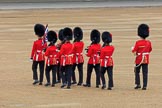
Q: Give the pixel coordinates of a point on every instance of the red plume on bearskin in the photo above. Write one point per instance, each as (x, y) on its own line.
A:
(106, 37)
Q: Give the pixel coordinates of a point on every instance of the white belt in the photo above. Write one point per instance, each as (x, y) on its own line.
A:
(52, 55)
(64, 59)
(95, 55)
(38, 51)
(49, 59)
(106, 60)
(70, 55)
(146, 53)
(106, 57)
(77, 54)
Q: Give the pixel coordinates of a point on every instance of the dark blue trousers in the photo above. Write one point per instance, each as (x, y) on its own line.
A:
(54, 70)
(80, 70)
(89, 72)
(144, 72)
(66, 74)
(41, 70)
(110, 75)
(58, 73)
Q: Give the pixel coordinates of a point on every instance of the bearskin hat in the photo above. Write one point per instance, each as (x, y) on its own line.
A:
(67, 33)
(106, 37)
(39, 30)
(78, 33)
(60, 35)
(143, 30)
(52, 36)
(95, 36)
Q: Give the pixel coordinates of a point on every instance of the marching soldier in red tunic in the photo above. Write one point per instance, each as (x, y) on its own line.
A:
(106, 61)
(94, 60)
(51, 60)
(142, 51)
(66, 58)
(78, 55)
(61, 42)
(37, 54)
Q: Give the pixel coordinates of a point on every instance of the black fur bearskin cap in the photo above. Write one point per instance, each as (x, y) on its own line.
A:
(39, 30)
(60, 35)
(143, 30)
(95, 36)
(106, 37)
(52, 36)
(78, 33)
(67, 33)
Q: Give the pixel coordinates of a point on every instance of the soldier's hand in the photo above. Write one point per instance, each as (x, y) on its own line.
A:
(31, 59)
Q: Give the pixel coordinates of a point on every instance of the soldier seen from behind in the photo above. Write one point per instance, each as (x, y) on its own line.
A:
(141, 50)
(59, 44)
(66, 56)
(106, 60)
(93, 52)
(51, 55)
(37, 54)
(78, 60)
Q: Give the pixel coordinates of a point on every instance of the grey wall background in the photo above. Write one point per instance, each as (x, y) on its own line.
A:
(37, 1)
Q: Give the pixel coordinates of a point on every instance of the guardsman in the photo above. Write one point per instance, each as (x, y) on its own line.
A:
(106, 60)
(37, 54)
(142, 51)
(93, 52)
(78, 55)
(61, 42)
(66, 55)
(51, 55)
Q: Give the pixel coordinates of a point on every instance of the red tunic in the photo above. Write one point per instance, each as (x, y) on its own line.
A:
(93, 53)
(77, 52)
(142, 49)
(66, 54)
(37, 50)
(52, 55)
(106, 56)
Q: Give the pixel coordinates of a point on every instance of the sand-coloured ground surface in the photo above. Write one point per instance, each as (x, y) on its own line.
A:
(17, 36)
